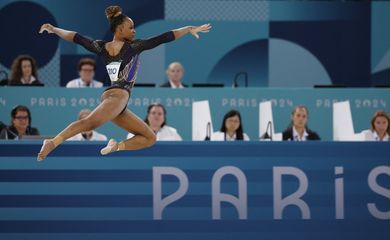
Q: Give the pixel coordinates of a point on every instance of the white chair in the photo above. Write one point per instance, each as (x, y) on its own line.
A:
(201, 118)
(266, 122)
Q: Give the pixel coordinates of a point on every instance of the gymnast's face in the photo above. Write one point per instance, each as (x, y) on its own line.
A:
(127, 29)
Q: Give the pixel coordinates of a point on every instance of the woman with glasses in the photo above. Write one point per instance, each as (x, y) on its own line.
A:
(20, 124)
(86, 69)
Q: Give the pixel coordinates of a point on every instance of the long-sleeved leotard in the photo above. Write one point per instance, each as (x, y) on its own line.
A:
(123, 67)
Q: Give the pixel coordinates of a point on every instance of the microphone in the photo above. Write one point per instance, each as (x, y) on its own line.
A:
(235, 83)
(5, 74)
(2, 125)
(7, 131)
(4, 81)
(208, 132)
(267, 136)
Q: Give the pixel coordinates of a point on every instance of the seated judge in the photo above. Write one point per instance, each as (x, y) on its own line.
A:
(156, 119)
(20, 124)
(86, 68)
(231, 129)
(175, 73)
(298, 130)
(24, 72)
(380, 128)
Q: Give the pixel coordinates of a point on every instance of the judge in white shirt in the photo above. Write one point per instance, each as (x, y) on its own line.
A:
(156, 119)
(380, 128)
(89, 135)
(86, 68)
(231, 129)
(175, 73)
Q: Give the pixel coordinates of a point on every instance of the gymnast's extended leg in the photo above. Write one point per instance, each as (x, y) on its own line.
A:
(113, 102)
(144, 135)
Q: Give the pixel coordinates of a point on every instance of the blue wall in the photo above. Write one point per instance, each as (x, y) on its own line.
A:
(77, 194)
(278, 43)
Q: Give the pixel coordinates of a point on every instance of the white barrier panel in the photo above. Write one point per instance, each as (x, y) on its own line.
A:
(201, 117)
(343, 124)
(266, 122)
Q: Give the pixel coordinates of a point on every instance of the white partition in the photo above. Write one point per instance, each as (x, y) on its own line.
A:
(266, 121)
(201, 117)
(343, 129)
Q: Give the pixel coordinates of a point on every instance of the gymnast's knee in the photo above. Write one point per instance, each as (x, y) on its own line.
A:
(89, 124)
(151, 139)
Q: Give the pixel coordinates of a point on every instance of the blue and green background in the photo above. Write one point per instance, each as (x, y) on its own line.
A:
(277, 43)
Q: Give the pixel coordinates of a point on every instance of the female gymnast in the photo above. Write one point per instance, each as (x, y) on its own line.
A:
(121, 57)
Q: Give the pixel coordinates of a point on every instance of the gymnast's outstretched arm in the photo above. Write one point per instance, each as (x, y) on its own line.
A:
(194, 30)
(142, 45)
(72, 36)
(64, 34)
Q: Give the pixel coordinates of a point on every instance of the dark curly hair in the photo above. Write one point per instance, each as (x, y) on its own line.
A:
(16, 69)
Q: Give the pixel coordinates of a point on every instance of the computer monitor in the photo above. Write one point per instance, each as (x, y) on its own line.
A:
(331, 86)
(27, 85)
(382, 85)
(208, 85)
(36, 137)
(144, 85)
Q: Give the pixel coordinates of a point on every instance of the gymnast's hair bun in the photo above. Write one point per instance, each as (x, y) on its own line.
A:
(113, 11)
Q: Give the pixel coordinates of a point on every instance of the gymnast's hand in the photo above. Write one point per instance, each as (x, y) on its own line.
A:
(203, 28)
(47, 27)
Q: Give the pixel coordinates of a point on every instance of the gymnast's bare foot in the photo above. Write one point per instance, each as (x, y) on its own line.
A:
(112, 146)
(47, 147)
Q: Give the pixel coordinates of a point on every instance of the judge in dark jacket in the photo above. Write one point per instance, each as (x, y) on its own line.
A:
(20, 124)
(298, 130)
(175, 73)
